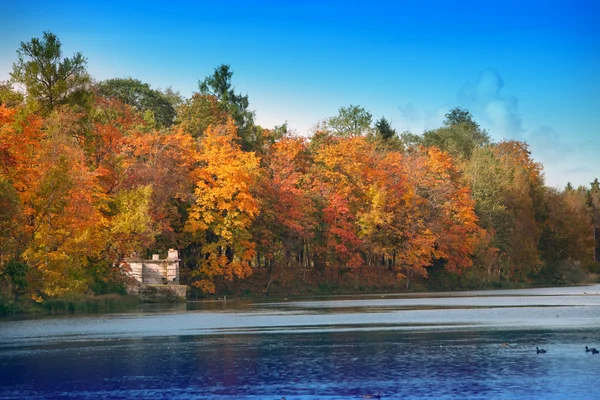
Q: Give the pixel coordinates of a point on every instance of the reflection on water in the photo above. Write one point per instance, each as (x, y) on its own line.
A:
(474, 345)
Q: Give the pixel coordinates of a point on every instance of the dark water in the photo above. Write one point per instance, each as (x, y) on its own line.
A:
(478, 345)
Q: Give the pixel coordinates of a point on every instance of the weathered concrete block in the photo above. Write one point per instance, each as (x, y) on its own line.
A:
(155, 273)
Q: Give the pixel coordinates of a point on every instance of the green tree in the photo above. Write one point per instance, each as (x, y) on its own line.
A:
(350, 121)
(593, 204)
(8, 96)
(458, 116)
(459, 135)
(144, 99)
(49, 79)
(567, 238)
(411, 141)
(384, 129)
(219, 85)
(196, 114)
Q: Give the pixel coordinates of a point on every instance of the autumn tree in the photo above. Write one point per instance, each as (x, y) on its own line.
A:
(59, 199)
(199, 112)
(163, 161)
(130, 227)
(566, 239)
(48, 78)
(224, 208)
(286, 222)
(509, 191)
(342, 173)
(593, 204)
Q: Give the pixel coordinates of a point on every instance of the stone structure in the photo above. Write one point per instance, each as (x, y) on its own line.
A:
(156, 275)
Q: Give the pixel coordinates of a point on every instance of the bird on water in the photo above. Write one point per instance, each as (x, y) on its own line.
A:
(593, 349)
(539, 351)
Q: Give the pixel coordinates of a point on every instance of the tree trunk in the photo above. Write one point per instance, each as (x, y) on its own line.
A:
(319, 263)
(270, 267)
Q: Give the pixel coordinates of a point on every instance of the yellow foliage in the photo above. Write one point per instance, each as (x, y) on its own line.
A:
(224, 206)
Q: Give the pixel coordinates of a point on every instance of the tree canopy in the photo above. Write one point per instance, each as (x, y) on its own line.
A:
(350, 121)
(139, 170)
(144, 99)
(48, 78)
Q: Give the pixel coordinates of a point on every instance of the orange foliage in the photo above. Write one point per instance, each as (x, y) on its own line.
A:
(224, 207)
(286, 217)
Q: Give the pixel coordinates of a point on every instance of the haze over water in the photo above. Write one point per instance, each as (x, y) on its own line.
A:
(445, 345)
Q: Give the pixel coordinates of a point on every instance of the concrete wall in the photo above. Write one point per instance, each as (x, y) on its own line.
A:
(162, 271)
(163, 293)
(156, 271)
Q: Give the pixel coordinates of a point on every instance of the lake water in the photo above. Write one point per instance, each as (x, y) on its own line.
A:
(478, 345)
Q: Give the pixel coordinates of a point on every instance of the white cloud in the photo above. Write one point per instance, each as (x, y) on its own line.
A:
(498, 112)
(416, 121)
(409, 113)
(491, 108)
(546, 143)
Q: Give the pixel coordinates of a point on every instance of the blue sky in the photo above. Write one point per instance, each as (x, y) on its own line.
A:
(527, 70)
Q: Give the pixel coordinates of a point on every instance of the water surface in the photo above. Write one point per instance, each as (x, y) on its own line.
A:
(461, 345)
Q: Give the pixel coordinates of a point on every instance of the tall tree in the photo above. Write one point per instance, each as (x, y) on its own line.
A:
(48, 78)
(384, 129)
(459, 135)
(286, 222)
(350, 121)
(219, 85)
(524, 200)
(593, 203)
(224, 208)
(341, 174)
(458, 115)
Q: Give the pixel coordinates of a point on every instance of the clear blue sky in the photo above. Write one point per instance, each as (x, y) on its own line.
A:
(526, 71)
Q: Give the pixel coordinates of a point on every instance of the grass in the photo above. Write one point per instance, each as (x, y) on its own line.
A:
(91, 304)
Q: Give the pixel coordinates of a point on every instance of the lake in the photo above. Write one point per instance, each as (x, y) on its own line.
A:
(478, 345)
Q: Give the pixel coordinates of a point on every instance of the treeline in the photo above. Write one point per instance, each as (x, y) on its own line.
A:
(92, 172)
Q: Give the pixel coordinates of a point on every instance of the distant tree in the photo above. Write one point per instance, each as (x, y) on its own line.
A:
(569, 187)
(8, 96)
(350, 121)
(219, 85)
(459, 135)
(593, 204)
(458, 115)
(49, 80)
(140, 96)
(568, 233)
(384, 129)
(411, 141)
(173, 97)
